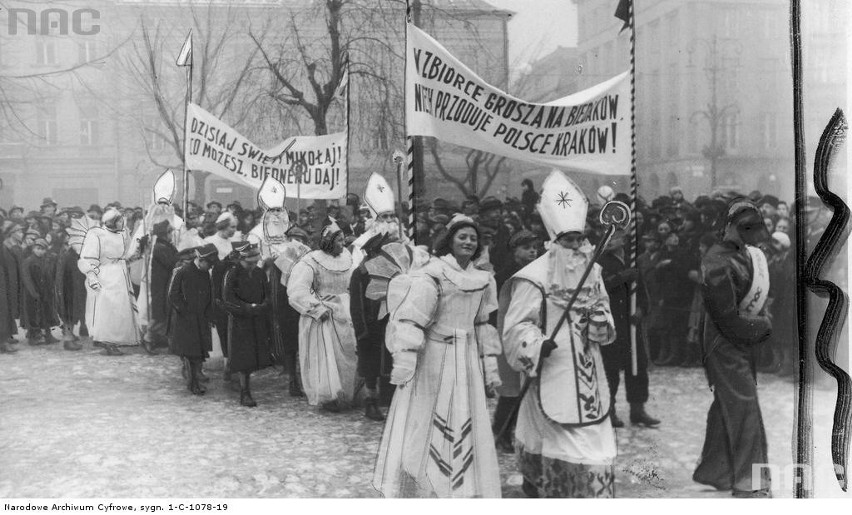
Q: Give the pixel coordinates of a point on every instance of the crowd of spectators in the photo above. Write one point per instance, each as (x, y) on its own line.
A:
(673, 234)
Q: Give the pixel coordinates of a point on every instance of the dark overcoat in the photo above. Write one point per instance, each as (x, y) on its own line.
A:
(14, 257)
(284, 319)
(735, 438)
(70, 288)
(163, 259)
(248, 302)
(191, 300)
(11, 294)
(37, 275)
(369, 329)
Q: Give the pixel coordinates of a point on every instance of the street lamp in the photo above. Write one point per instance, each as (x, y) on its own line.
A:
(714, 113)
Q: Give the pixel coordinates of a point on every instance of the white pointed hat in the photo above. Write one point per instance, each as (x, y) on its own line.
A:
(562, 206)
(271, 194)
(378, 194)
(164, 187)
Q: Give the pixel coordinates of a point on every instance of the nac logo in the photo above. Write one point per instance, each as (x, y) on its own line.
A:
(54, 21)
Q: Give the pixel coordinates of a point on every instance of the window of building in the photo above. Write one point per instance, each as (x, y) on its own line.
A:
(769, 130)
(672, 180)
(89, 125)
(730, 136)
(692, 138)
(673, 147)
(729, 23)
(45, 52)
(654, 182)
(47, 124)
(673, 30)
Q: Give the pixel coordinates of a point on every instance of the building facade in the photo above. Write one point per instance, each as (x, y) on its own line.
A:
(80, 122)
(714, 88)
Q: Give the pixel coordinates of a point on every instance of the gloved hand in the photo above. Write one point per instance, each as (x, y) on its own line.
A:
(629, 275)
(492, 375)
(547, 346)
(404, 363)
(92, 282)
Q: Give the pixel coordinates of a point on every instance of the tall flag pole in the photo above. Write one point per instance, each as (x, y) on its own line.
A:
(803, 479)
(625, 12)
(185, 59)
(409, 144)
(343, 92)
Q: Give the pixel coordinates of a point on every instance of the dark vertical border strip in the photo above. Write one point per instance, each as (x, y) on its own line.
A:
(835, 313)
(803, 441)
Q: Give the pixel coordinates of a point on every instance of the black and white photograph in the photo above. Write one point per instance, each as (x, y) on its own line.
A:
(287, 251)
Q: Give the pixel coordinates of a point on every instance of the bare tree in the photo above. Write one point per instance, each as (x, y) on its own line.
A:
(482, 169)
(153, 88)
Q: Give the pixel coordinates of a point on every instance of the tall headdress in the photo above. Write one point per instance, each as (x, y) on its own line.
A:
(273, 225)
(164, 191)
(378, 194)
(164, 188)
(271, 194)
(562, 206)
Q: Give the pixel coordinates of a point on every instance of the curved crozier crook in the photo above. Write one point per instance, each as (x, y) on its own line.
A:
(835, 313)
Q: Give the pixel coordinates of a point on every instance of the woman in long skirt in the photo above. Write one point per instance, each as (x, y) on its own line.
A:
(437, 441)
(318, 290)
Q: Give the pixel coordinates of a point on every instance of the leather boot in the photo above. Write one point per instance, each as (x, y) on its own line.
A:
(614, 420)
(372, 411)
(113, 350)
(295, 378)
(638, 416)
(331, 406)
(295, 389)
(529, 490)
(202, 377)
(49, 338)
(148, 346)
(245, 391)
(194, 385)
(226, 375)
(674, 357)
(6, 348)
(72, 345)
(34, 337)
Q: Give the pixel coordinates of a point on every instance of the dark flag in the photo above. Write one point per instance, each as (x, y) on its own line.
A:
(622, 12)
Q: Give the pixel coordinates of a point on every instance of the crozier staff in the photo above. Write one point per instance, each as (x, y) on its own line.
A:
(564, 437)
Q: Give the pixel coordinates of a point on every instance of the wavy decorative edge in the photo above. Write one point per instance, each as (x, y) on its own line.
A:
(835, 314)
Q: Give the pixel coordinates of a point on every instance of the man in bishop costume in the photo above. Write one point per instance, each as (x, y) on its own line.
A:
(564, 440)
(367, 302)
(279, 253)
